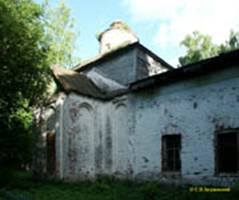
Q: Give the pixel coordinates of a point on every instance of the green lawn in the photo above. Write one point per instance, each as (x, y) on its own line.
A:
(27, 189)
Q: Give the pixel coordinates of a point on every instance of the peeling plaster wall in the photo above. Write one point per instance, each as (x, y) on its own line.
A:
(113, 38)
(94, 142)
(196, 109)
(122, 137)
(48, 119)
(125, 68)
(119, 68)
(79, 127)
(147, 66)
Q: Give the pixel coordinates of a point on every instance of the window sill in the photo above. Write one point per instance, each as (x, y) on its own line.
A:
(171, 174)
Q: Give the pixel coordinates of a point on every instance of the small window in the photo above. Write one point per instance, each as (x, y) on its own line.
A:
(228, 152)
(171, 148)
(51, 152)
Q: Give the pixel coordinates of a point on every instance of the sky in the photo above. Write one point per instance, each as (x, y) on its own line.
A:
(160, 25)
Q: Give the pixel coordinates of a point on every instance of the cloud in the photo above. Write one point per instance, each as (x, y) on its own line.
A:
(176, 18)
(153, 9)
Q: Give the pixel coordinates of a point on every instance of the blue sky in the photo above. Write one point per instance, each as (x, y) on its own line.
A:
(159, 24)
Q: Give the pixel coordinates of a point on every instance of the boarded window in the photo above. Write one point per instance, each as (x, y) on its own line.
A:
(171, 147)
(51, 153)
(228, 152)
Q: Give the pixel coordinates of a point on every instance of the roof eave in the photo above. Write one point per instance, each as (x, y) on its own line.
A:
(189, 71)
(101, 58)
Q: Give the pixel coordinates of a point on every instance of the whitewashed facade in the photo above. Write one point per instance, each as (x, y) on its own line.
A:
(122, 136)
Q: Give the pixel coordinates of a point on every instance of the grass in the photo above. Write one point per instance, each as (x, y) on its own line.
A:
(24, 188)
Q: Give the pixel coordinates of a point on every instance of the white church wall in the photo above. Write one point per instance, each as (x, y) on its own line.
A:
(120, 131)
(95, 138)
(196, 109)
(79, 127)
(122, 137)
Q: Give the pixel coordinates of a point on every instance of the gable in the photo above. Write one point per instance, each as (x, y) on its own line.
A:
(126, 64)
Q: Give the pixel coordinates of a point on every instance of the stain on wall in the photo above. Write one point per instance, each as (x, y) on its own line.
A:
(122, 137)
(108, 145)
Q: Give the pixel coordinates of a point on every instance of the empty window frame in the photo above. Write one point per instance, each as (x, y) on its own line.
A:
(228, 151)
(171, 149)
(51, 152)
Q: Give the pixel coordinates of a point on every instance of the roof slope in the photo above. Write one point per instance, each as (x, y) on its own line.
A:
(114, 52)
(95, 85)
(92, 84)
(190, 71)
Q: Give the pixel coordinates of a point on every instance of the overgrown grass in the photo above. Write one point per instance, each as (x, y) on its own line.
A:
(24, 188)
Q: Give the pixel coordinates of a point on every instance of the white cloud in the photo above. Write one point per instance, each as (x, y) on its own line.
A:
(176, 18)
(153, 9)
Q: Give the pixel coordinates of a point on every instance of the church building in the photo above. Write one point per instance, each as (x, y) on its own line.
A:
(128, 114)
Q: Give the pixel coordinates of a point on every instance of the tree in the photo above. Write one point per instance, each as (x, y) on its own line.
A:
(31, 40)
(232, 43)
(60, 32)
(24, 74)
(199, 46)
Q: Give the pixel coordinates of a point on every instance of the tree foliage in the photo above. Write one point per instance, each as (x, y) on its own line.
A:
(24, 75)
(61, 34)
(32, 38)
(231, 44)
(199, 46)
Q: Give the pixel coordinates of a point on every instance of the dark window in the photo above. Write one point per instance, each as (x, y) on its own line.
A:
(51, 152)
(227, 152)
(171, 147)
